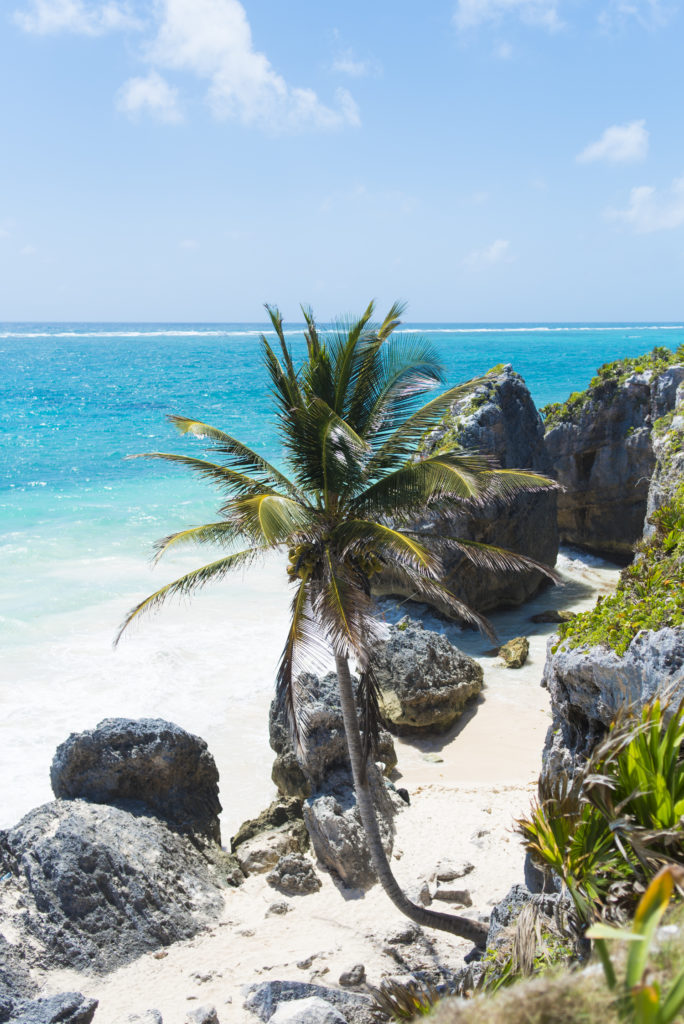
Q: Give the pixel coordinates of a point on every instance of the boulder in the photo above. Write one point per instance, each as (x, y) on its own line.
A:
(148, 1017)
(425, 682)
(68, 1008)
(589, 685)
(93, 887)
(499, 419)
(312, 1010)
(515, 652)
(202, 1015)
(354, 977)
(264, 999)
(16, 983)
(324, 746)
(294, 875)
(601, 452)
(147, 761)
(337, 835)
(260, 842)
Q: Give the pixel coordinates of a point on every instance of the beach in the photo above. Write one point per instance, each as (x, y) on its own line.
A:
(464, 799)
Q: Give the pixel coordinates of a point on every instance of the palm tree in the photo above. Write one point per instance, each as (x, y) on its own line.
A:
(351, 424)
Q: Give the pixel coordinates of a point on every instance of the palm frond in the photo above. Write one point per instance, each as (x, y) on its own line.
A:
(436, 593)
(189, 583)
(226, 478)
(242, 458)
(359, 536)
(487, 556)
(211, 533)
(269, 519)
(368, 702)
(506, 484)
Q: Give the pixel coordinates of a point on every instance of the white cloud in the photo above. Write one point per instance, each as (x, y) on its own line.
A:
(472, 13)
(648, 14)
(152, 95)
(213, 40)
(621, 143)
(497, 252)
(347, 64)
(46, 16)
(652, 210)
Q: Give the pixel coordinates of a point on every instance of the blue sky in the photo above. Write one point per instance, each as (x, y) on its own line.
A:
(486, 160)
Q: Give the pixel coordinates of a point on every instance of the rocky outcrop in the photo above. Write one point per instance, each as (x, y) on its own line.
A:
(599, 447)
(324, 746)
(264, 999)
(588, 686)
(279, 830)
(425, 682)
(93, 887)
(146, 762)
(498, 419)
(336, 832)
(294, 875)
(668, 449)
(68, 1008)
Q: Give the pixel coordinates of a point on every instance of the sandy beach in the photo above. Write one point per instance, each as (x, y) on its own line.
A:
(464, 799)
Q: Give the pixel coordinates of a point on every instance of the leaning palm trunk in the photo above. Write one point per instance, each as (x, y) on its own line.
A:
(452, 923)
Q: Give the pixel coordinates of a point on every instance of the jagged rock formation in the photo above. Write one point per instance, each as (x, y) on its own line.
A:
(279, 830)
(588, 686)
(67, 1008)
(425, 682)
(499, 419)
(264, 999)
(668, 448)
(146, 761)
(324, 746)
(599, 448)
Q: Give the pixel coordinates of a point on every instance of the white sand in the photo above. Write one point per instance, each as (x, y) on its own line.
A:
(462, 809)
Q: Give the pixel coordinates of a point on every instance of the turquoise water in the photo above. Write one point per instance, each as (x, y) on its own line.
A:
(77, 519)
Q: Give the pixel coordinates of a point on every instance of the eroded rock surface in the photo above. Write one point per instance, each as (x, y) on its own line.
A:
(147, 761)
(425, 681)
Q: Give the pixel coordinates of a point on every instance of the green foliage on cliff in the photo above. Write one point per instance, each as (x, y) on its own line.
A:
(615, 374)
(650, 594)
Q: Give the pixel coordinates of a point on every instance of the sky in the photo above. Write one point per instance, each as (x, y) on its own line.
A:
(483, 160)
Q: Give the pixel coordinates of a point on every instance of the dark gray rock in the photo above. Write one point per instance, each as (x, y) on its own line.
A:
(603, 457)
(148, 760)
(68, 1008)
(425, 682)
(263, 1000)
(336, 832)
(355, 976)
(324, 746)
(668, 448)
(94, 887)
(294, 875)
(501, 420)
(588, 686)
(15, 979)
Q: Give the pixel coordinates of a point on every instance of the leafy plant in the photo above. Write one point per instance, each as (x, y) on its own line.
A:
(405, 1000)
(640, 1000)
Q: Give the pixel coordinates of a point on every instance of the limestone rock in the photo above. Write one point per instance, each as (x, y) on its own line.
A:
(589, 685)
(150, 761)
(294, 875)
(336, 832)
(448, 894)
(668, 448)
(501, 420)
(202, 1015)
(260, 842)
(425, 681)
(312, 1010)
(264, 999)
(355, 976)
(93, 887)
(515, 652)
(325, 748)
(148, 1017)
(603, 457)
(264, 851)
(68, 1008)
(16, 983)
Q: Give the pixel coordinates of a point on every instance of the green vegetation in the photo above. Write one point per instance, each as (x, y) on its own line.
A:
(612, 374)
(650, 594)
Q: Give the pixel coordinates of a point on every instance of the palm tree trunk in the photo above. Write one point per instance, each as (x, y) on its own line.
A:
(461, 926)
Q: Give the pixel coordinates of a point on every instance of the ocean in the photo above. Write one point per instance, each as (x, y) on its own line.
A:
(78, 520)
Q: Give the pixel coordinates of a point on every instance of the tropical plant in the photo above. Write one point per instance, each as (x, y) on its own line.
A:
(351, 425)
(640, 1000)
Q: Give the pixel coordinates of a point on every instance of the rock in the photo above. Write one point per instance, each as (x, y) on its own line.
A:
(94, 887)
(446, 871)
(499, 419)
(602, 455)
(294, 875)
(276, 909)
(260, 842)
(515, 652)
(432, 758)
(16, 983)
(668, 448)
(148, 1017)
(448, 894)
(506, 912)
(553, 615)
(589, 685)
(336, 832)
(355, 976)
(150, 761)
(325, 746)
(203, 1015)
(68, 1008)
(264, 999)
(425, 682)
(312, 1010)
